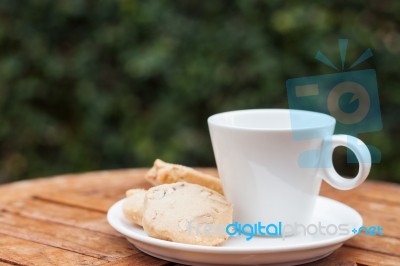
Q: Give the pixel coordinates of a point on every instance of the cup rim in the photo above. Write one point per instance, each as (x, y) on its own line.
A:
(330, 120)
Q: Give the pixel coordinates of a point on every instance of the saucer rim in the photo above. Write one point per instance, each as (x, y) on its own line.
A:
(112, 217)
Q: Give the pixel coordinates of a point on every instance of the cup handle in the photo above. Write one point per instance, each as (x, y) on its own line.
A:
(362, 153)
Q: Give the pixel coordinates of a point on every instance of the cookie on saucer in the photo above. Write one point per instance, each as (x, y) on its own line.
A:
(166, 173)
(186, 213)
(133, 205)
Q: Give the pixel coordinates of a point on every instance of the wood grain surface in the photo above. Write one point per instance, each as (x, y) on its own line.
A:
(62, 221)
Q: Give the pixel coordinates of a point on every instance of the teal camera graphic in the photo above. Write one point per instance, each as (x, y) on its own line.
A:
(349, 96)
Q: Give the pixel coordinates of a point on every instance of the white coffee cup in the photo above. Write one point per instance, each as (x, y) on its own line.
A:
(260, 158)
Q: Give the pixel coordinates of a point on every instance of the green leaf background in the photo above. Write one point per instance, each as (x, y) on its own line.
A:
(88, 85)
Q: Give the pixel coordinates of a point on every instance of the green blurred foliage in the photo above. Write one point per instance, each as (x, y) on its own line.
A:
(88, 85)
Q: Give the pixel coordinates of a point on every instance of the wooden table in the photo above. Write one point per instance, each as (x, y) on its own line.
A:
(62, 221)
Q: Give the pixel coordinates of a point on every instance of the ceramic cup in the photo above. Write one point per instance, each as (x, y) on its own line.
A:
(271, 162)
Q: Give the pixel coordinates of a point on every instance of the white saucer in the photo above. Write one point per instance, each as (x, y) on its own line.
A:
(296, 249)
